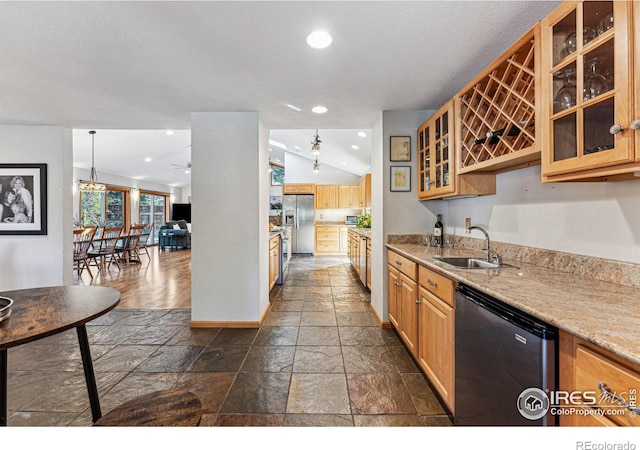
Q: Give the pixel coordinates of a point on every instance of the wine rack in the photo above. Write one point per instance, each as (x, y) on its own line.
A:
(501, 101)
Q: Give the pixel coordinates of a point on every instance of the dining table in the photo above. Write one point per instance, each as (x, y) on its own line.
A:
(37, 313)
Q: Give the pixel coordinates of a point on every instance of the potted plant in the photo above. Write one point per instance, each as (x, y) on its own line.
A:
(363, 221)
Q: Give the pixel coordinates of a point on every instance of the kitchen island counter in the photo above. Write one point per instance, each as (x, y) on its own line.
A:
(600, 312)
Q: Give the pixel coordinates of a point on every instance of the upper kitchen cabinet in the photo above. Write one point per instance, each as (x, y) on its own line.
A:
(589, 105)
(365, 191)
(437, 161)
(497, 111)
(349, 196)
(326, 196)
(298, 188)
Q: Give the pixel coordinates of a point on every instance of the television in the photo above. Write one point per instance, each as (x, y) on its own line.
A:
(181, 211)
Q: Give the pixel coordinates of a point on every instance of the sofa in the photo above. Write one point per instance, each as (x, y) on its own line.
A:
(174, 233)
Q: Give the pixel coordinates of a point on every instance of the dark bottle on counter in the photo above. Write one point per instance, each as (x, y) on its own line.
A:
(438, 231)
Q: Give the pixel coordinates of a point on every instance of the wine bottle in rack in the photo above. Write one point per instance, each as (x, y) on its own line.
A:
(494, 136)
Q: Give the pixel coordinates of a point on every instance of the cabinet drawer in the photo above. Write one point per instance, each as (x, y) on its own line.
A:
(274, 242)
(327, 246)
(592, 368)
(439, 285)
(404, 265)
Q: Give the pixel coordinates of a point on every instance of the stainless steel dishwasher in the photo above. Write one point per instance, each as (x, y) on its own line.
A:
(501, 352)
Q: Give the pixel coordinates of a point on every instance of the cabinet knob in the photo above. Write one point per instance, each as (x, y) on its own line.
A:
(432, 283)
(417, 302)
(398, 263)
(615, 129)
(635, 125)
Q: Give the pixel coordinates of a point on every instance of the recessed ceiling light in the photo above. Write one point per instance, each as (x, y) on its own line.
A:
(319, 109)
(277, 144)
(270, 149)
(147, 159)
(319, 39)
(295, 108)
(362, 134)
(344, 162)
(297, 147)
(169, 132)
(355, 147)
(187, 171)
(277, 160)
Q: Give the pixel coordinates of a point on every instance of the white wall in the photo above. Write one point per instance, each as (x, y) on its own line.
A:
(35, 261)
(186, 194)
(229, 256)
(594, 219)
(299, 170)
(403, 213)
(117, 180)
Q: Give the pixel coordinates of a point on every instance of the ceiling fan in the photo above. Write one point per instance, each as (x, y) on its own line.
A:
(182, 166)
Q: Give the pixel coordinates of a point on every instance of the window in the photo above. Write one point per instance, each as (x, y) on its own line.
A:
(153, 211)
(108, 209)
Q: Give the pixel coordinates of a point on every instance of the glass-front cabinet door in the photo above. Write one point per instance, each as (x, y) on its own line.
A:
(587, 95)
(435, 154)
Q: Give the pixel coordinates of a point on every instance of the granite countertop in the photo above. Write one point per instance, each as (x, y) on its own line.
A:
(366, 232)
(275, 232)
(600, 312)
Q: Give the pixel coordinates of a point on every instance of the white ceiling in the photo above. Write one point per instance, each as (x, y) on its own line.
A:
(147, 65)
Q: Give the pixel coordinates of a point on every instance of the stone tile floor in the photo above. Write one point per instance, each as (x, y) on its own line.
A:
(319, 359)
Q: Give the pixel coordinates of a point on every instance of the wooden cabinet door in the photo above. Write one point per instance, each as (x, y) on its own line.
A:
(436, 154)
(355, 196)
(586, 89)
(408, 323)
(344, 196)
(368, 267)
(436, 345)
(344, 240)
(393, 278)
(326, 196)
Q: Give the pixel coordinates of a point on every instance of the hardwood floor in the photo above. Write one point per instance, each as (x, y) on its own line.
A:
(160, 282)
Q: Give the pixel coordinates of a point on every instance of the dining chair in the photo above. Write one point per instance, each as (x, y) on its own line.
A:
(131, 249)
(82, 240)
(104, 254)
(144, 242)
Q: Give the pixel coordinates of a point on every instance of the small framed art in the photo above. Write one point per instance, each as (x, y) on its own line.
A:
(400, 178)
(400, 148)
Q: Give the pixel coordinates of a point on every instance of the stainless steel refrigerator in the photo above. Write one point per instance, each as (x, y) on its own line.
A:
(299, 215)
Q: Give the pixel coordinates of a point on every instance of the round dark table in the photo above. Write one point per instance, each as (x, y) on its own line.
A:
(41, 312)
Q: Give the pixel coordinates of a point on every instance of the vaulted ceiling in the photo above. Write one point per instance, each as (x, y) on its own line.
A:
(148, 65)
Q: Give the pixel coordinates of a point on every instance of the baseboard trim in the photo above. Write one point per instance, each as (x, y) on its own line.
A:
(382, 323)
(215, 324)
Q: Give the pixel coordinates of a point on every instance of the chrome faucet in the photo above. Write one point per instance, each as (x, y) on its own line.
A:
(495, 257)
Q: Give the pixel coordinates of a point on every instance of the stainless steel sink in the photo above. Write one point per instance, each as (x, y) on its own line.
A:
(471, 263)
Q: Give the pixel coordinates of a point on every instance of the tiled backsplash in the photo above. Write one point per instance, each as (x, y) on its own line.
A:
(617, 272)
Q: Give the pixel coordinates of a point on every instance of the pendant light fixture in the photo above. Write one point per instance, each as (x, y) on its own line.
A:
(315, 148)
(316, 166)
(92, 184)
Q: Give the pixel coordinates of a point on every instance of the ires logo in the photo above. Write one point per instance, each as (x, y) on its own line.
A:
(534, 403)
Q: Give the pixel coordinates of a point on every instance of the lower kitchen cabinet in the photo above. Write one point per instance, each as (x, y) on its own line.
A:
(423, 314)
(369, 263)
(327, 239)
(403, 299)
(274, 261)
(612, 381)
(436, 350)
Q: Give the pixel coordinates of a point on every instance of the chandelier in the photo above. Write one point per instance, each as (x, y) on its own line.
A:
(315, 148)
(92, 184)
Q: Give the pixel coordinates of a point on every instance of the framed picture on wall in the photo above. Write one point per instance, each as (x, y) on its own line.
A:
(400, 148)
(23, 199)
(277, 175)
(400, 178)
